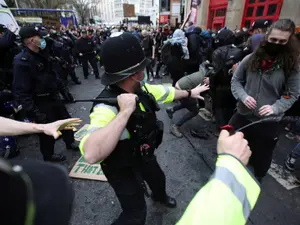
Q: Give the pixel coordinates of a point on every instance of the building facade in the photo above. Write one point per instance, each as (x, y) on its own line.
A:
(236, 14)
(111, 11)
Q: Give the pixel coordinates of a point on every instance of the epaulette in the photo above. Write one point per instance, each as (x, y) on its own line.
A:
(23, 58)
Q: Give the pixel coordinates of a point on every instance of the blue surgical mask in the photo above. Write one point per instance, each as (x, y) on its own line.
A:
(43, 44)
(144, 81)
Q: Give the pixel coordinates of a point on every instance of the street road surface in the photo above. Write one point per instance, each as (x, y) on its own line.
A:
(188, 164)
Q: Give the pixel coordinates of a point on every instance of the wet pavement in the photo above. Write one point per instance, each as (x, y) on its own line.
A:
(187, 162)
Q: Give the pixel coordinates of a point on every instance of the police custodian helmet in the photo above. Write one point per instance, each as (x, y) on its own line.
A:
(122, 56)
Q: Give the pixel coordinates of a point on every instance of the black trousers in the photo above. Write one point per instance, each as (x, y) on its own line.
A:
(262, 139)
(130, 193)
(54, 110)
(92, 60)
(66, 72)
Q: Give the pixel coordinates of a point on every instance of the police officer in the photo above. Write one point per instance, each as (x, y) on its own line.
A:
(86, 49)
(7, 49)
(124, 134)
(36, 87)
(63, 50)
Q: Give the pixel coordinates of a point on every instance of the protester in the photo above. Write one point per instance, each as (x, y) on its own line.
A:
(267, 83)
(173, 53)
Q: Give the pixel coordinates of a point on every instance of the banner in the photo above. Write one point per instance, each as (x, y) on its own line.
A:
(194, 11)
(128, 10)
(195, 3)
(193, 16)
(163, 18)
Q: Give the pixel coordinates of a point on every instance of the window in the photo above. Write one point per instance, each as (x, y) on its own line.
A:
(260, 11)
(250, 12)
(220, 12)
(216, 16)
(272, 9)
(247, 24)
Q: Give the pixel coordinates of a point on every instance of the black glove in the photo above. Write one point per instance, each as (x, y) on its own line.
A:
(67, 96)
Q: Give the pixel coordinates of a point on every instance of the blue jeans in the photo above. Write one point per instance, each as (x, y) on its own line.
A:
(296, 152)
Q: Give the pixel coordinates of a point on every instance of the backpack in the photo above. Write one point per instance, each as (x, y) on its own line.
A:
(225, 57)
(166, 55)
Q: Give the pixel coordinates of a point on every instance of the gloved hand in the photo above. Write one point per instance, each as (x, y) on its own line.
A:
(67, 96)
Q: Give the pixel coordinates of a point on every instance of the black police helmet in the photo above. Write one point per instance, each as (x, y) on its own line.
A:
(122, 56)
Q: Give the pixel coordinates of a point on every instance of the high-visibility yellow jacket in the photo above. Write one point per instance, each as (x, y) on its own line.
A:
(103, 114)
(227, 199)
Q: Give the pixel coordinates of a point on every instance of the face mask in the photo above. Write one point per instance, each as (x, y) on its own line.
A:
(273, 49)
(43, 44)
(144, 81)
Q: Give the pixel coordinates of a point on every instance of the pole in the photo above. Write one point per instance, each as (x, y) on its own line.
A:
(16, 2)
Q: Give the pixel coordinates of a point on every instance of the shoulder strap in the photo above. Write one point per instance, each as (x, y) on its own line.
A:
(107, 92)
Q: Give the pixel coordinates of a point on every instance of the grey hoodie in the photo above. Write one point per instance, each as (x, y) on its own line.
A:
(266, 89)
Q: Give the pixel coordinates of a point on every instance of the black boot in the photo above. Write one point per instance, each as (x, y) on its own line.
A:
(168, 201)
(77, 82)
(55, 158)
(170, 112)
(73, 146)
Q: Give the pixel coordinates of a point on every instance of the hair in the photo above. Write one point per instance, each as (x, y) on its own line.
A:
(290, 57)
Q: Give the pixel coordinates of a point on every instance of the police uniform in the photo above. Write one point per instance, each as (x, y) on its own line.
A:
(62, 49)
(36, 87)
(87, 48)
(133, 161)
(228, 197)
(8, 50)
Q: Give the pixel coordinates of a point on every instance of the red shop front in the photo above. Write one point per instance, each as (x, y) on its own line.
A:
(217, 14)
(261, 9)
(163, 19)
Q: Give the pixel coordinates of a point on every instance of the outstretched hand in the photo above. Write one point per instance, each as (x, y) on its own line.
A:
(53, 129)
(198, 90)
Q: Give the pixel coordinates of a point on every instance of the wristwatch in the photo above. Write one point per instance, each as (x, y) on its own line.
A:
(189, 92)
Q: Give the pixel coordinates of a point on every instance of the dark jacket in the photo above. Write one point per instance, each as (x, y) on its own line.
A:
(85, 46)
(34, 78)
(147, 44)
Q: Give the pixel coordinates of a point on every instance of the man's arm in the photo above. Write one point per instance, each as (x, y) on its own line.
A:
(11, 127)
(232, 192)
(111, 126)
(166, 94)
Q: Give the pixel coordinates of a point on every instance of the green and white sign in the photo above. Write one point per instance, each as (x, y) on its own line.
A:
(83, 170)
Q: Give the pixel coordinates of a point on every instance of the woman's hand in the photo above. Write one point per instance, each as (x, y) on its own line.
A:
(53, 129)
(266, 110)
(250, 103)
(206, 80)
(195, 92)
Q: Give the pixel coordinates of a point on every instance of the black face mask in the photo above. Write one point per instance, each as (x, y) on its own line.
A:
(274, 49)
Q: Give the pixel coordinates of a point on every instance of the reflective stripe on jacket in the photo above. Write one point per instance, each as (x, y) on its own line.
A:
(103, 114)
(227, 199)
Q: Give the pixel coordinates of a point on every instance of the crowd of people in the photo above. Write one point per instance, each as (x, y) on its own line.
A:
(247, 75)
